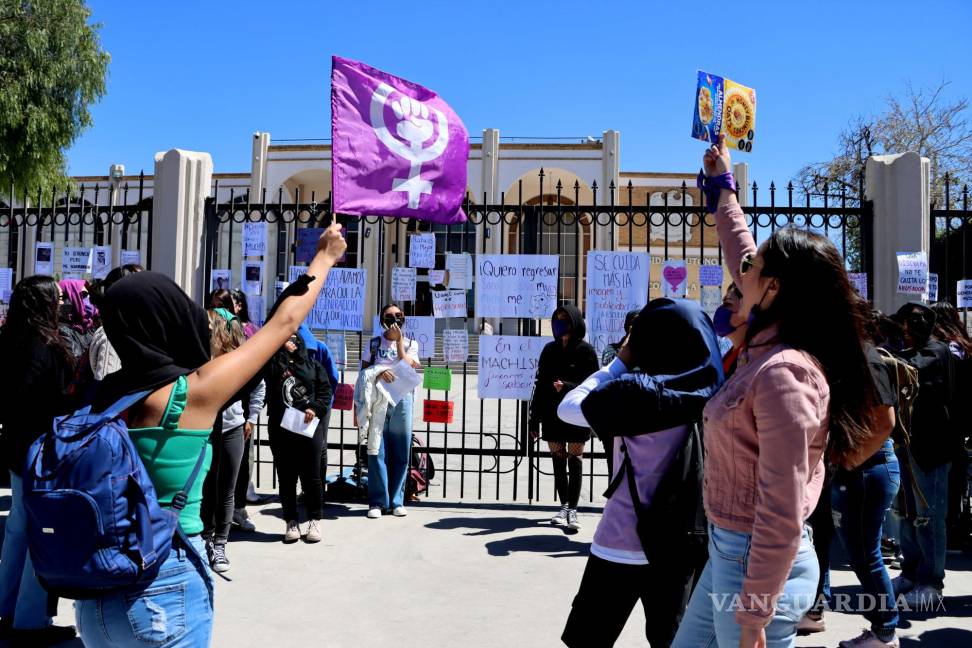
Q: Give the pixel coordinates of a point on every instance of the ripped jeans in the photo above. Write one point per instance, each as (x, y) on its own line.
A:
(174, 611)
(923, 534)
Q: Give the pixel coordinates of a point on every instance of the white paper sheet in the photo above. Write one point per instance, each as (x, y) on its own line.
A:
(293, 420)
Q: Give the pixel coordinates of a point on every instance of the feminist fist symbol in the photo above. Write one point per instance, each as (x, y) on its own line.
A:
(414, 126)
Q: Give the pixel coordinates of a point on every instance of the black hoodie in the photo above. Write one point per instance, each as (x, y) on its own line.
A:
(571, 364)
(296, 380)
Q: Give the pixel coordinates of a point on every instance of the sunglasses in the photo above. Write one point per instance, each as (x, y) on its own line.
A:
(747, 263)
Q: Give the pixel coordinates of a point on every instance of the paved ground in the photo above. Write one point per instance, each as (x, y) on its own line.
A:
(453, 574)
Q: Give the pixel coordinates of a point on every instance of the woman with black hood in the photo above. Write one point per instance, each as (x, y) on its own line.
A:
(162, 337)
(296, 380)
(563, 364)
(650, 542)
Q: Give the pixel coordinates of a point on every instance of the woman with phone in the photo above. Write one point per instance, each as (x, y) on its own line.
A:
(388, 470)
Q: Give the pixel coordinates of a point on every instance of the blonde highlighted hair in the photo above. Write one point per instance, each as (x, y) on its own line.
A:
(224, 335)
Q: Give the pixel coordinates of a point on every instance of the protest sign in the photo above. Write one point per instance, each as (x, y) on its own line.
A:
(254, 239)
(340, 305)
(508, 365)
(252, 277)
(403, 284)
(343, 397)
(675, 279)
(516, 285)
(306, 245)
(455, 345)
(859, 281)
(421, 250)
(710, 275)
(437, 378)
(963, 289)
(932, 292)
(418, 328)
(131, 257)
(101, 262)
(6, 284)
(44, 258)
(221, 279)
(617, 282)
(436, 277)
(75, 261)
(710, 298)
(912, 273)
(437, 411)
(723, 106)
(459, 267)
(255, 309)
(338, 347)
(449, 303)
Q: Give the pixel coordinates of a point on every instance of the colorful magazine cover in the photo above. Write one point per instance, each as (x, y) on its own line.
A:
(724, 106)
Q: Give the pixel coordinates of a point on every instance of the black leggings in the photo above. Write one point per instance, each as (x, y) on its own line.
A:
(296, 456)
(220, 485)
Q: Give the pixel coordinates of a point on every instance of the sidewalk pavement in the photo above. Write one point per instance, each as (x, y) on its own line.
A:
(455, 574)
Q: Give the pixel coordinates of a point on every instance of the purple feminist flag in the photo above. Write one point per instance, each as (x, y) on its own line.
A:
(397, 148)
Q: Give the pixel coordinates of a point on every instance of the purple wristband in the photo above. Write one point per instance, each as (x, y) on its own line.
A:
(712, 186)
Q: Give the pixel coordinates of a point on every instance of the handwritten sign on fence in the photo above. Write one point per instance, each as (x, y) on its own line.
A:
(438, 411)
(340, 305)
(437, 378)
(617, 282)
(963, 288)
(516, 285)
(343, 397)
(75, 261)
(455, 345)
(912, 273)
(421, 250)
(403, 284)
(254, 239)
(508, 365)
(449, 303)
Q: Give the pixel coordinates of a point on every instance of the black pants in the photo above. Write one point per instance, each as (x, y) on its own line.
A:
(608, 592)
(243, 478)
(296, 456)
(220, 485)
(822, 523)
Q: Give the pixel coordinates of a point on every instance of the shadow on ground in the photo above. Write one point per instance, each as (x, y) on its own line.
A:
(942, 637)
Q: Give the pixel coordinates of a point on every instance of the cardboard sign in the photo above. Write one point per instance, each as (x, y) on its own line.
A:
(723, 106)
(675, 279)
(421, 250)
(963, 289)
(307, 243)
(340, 306)
(449, 303)
(254, 239)
(859, 281)
(455, 345)
(437, 411)
(710, 275)
(343, 397)
(517, 285)
(508, 365)
(912, 273)
(437, 378)
(403, 284)
(76, 261)
(44, 258)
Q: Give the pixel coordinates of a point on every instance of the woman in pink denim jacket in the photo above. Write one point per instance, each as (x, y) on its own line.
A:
(801, 389)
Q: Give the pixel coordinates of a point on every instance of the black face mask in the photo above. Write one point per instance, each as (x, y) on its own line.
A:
(390, 320)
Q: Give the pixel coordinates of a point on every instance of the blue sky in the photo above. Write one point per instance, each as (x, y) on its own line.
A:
(205, 75)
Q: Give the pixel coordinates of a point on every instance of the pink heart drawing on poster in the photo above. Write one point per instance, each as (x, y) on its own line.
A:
(674, 275)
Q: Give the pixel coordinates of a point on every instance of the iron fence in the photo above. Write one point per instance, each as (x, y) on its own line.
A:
(951, 231)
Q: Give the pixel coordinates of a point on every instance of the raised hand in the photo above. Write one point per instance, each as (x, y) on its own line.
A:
(716, 160)
(414, 125)
(332, 244)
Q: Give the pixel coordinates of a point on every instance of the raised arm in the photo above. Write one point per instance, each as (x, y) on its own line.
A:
(735, 237)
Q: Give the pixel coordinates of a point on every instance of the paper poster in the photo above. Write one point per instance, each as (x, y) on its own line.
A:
(420, 328)
(131, 257)
(963, 290)
(340, 306)
(255, 309)
(338, 347)
(254, 239)
(449, 303)
(253, 277)
(932, 291)
(859, 281)
(517, 285)
(75, 261)
(406, 380)
(455, 345)
(293, 421)
(437, 277)
(710, 298)
(437, 378)
(403, 284)
(101, 264)
(343, 397)
(710, 275)
(675, 279)
(617, 282)
(912, 273)
(44, 258)
(6, 284)
(221, 279)
(725, 107)
(421, 250)
(306, 245)
(437, 411)
(508, 365)
(459, 267)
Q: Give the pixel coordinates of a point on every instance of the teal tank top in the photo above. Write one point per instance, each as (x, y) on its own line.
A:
(169, 454)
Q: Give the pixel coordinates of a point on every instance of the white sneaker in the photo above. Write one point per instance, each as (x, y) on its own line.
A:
(923, 598)
(374, 513)
(292, 534)
(868, 639)
(900, 585)
(561, 518)
(572, 523)
(399, 511)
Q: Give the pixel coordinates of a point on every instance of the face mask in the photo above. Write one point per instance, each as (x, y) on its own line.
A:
(560, 328)
(722, 321)
(756, 311)
(390, 320)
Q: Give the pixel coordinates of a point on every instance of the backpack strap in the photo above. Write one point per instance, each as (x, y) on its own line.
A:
(177, 405)
(181, 498)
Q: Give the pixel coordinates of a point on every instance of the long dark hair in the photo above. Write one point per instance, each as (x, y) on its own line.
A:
(244, 314)
(949, 327)
(34, 309)
(221, 298)
(98, 287)
(818, 312)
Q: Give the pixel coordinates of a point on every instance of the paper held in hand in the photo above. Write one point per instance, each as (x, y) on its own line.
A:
(293, 420)
(406, 380)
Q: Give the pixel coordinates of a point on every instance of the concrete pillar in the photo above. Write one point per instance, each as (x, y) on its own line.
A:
(369, 259)
(258, 165)
(741, 172)
(490, 183)
(182, 183)
(610, 173)
(899, 187)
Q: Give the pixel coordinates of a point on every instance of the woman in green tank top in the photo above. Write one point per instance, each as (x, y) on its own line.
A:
(162, 339)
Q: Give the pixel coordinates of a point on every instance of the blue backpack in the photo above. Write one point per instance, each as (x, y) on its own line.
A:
(94, 523)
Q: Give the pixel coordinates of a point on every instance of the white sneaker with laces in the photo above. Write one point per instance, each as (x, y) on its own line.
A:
(400, 511)
(923, 598)
(374, 513)
(572, 522)
(868, 639)
(293, 532)
(561, 518)
(900, 585)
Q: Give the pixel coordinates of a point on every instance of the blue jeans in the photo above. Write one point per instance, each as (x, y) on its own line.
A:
(710, 619)
(923, 531)
(860, 499)
(22, 599)
(388, 469)
(174, 611)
